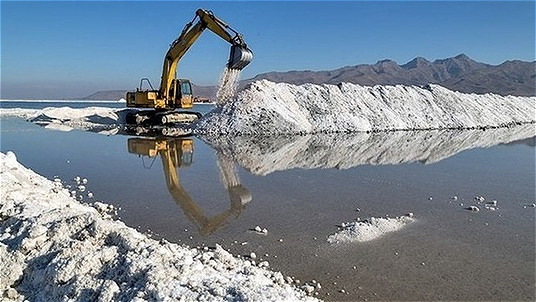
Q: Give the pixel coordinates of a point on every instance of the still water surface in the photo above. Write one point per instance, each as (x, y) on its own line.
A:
(215, 190)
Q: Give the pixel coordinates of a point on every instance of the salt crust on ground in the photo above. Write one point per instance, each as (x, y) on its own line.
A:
(263, 155)
(367, 230)
(53, 248)
(66, 118)
(265, 108)
(279, 108)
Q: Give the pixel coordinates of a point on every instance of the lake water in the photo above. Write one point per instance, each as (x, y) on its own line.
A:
(216, 190)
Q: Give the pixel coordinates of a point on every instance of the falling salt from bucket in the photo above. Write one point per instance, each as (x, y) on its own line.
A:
(228, 86)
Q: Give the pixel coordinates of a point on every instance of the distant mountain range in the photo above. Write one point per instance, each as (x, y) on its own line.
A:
(459, 73)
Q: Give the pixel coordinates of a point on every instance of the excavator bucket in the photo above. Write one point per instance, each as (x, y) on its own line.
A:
(240, 57)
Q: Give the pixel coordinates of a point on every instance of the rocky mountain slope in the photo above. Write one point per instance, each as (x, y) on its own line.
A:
(459, 73)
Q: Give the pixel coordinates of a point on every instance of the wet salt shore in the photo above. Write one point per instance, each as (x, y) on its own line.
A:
(53, 248)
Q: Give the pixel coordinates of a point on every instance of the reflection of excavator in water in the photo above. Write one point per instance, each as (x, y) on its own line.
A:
(177, 93)
(178, 152)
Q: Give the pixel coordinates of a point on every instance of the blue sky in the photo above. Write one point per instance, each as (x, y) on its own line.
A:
(71, 49)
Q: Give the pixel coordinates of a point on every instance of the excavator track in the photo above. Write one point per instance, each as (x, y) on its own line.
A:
(161, 118)
(178, 117)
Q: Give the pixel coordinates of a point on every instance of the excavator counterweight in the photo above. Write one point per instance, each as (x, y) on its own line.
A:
(177, 93)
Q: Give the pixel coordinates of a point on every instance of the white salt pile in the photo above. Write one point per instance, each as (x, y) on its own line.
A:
(266, 154)
(367, 230)
(279, 108)
(228, 86)
(53, 248)
(66, 118)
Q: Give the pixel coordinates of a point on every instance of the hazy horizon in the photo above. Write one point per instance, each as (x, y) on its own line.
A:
(81, 97)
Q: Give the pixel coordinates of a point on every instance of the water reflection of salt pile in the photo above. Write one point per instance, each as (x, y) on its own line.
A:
(266, 154)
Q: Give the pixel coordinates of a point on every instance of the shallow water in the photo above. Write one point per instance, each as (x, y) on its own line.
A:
(301, 188)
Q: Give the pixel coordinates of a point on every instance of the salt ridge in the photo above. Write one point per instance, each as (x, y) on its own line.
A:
(265, 108)
(67, 118)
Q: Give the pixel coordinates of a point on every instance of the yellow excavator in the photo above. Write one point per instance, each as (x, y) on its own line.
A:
(177, 93)
(178, 152)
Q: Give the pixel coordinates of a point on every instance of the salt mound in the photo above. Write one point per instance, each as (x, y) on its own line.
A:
(66, 117)
(53, 248)
(265, 108)
(97, 119)
(367, 230)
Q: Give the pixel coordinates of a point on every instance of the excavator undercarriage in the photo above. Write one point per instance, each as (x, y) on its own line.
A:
(153, 117)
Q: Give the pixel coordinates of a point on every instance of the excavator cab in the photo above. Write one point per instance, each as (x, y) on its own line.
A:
(181, 95)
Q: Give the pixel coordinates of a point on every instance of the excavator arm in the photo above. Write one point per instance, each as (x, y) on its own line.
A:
(240, 55)
(239, 196)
